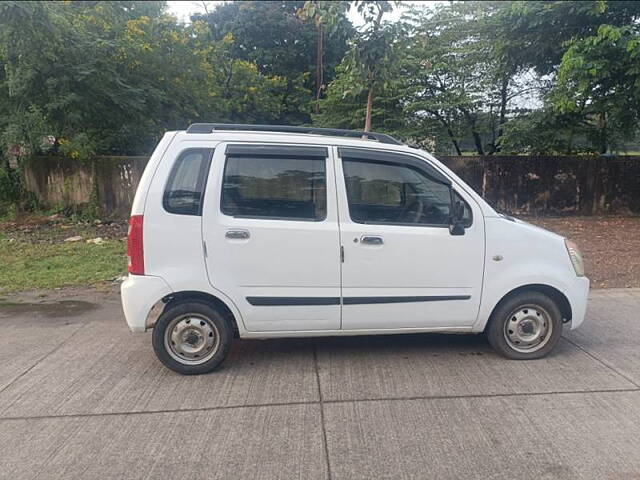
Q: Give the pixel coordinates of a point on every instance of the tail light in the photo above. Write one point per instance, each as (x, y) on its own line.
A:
(135, 245)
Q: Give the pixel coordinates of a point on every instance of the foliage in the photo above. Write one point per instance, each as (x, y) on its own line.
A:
(86, 78)
(231, 89)
(599, 81)
(370, 60)
(448, 77)
(110, 77)
(536, 33)
(368, 67)
(75, 69)
(345, 106)
(544, 131)
(9, 190)
(275, 37)
(326, 17)
(501, 77)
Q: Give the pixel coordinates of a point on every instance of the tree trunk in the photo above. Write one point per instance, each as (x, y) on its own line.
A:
(372, 81)
(493, 148)
(602, 126)
(446, 125)
(227, 84)
(455, 142)
(367, 120)
(504, 90)
(570, 141)
(472, 126)
(319, 65)
(478, 141)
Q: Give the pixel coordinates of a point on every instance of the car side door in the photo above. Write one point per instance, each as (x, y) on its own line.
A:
(271, 232)
(402, 267)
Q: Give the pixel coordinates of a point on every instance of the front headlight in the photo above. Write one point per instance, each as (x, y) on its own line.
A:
(576, 257)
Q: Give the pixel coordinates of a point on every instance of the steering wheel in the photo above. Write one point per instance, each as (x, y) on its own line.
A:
(418, 205)
(435, 215)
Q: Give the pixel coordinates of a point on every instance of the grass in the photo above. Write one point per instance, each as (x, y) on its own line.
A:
(25, 265)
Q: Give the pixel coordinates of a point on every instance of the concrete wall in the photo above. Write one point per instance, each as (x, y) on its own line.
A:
(545, 185)
(516, 184)
(65, 183)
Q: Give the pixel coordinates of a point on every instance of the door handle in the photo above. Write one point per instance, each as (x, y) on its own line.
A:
(237, 234)
(371, 240)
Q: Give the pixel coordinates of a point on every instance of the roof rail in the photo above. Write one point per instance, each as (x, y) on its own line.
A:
(334, 132)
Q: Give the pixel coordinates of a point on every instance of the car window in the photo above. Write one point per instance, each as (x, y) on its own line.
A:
(275, 187)
(183, 193)
(381, 192)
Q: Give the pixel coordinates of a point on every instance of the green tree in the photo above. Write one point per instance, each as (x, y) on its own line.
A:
(447, 72)
(599, 82)
(231, 89)
(537, 33)
(326, 17)
(111, 77)
(72, 62)
(552, 38)
(345, 106)
(274, 37)
(471, 64)
(371, 54)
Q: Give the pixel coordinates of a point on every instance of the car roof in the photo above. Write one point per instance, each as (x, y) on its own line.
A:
(290, 138)
(334, 132)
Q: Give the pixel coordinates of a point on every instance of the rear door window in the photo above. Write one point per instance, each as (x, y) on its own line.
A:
(280, 186)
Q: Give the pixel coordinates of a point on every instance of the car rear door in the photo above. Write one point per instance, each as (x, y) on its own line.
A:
(402, 267)
(271, 234)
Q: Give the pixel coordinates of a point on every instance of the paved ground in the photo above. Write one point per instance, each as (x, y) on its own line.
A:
(81, 397)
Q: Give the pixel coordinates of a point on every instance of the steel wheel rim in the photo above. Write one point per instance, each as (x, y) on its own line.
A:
(528, 328)
(191, 339)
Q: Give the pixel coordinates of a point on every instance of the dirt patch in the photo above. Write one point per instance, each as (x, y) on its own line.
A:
(56, 228)
(62, 308)
(610, 246)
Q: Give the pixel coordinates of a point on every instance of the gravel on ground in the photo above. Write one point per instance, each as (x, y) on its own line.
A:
(610, 246)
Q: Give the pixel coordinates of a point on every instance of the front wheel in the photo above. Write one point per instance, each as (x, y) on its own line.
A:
(525, 326)
(191, 338)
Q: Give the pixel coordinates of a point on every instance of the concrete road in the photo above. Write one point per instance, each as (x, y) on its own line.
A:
(82, 397)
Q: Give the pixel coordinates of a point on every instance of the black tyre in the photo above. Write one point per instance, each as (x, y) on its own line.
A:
(526, 326)
(192, 338)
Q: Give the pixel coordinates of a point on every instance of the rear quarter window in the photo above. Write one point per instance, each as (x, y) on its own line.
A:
(185, 186)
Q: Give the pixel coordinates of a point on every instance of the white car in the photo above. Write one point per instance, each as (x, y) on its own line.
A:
(258, 231)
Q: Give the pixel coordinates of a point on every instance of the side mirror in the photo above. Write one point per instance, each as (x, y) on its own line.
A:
(457, 218)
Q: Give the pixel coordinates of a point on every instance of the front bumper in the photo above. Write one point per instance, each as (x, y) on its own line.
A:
(139, 294)
(578, 295)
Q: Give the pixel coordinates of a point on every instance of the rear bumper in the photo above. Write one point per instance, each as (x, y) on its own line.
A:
(578, 295)
(139, 294)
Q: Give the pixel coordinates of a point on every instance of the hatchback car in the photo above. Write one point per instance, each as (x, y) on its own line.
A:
(257, 231)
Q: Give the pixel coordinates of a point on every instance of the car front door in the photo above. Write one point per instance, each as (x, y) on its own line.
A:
(402, 267)
(271, 233)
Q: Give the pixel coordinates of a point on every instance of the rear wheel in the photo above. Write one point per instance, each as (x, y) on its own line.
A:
(525, 326)
(191, 338)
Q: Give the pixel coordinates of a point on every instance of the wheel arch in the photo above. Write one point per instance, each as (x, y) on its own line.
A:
(556, 295)
(204, 297)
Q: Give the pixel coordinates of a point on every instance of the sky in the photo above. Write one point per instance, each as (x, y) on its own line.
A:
(184, 9)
